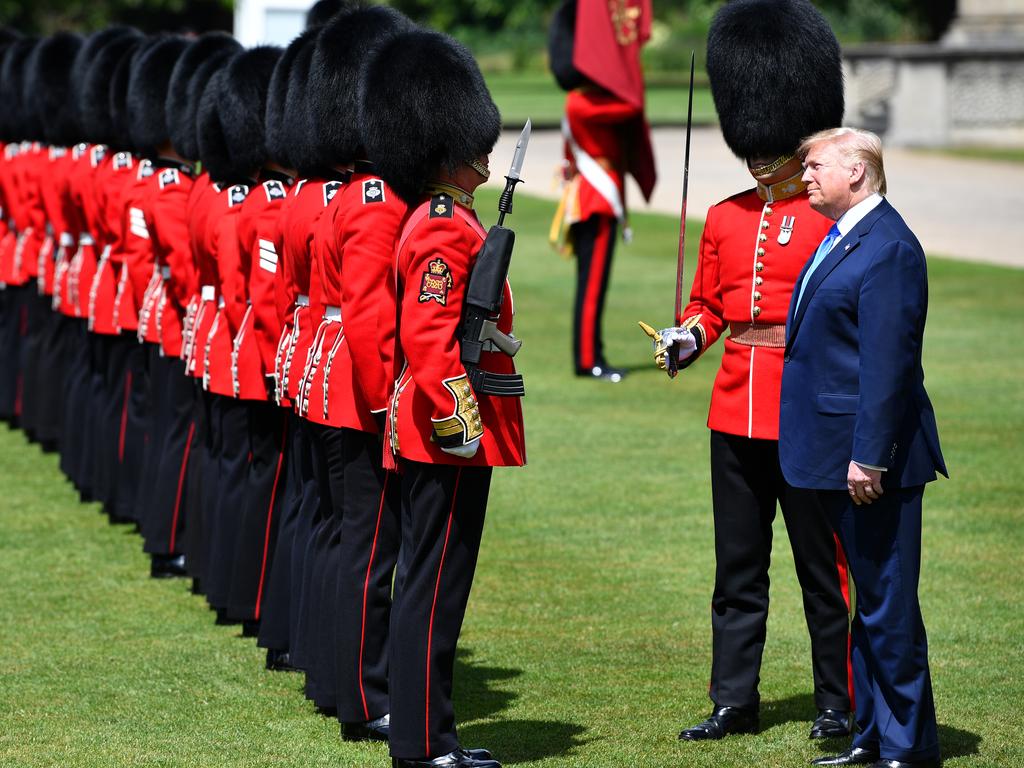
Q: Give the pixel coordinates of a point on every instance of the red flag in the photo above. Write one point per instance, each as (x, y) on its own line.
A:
(609, 35)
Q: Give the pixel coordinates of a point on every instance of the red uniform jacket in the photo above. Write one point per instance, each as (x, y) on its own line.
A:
(30, 214)
(166, 217)
(82, 268)
(255, 344)
(432, 397)
(58, 214)
(115, 176)
(201, 203)
(232, 295)
(354, 250)
(298, 220)
(752, 250)
(602, 126)
(136, 250)
(7, 236)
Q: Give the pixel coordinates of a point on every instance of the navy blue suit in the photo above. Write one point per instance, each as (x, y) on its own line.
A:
(853, 389)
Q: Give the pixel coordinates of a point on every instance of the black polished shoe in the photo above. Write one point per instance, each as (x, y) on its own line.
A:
(722, 722)
(831, 724)
(167, 567)
(460, 758)
(851, 756)
(906, 764)
(603, 372)
(369, 730)
(280, 661)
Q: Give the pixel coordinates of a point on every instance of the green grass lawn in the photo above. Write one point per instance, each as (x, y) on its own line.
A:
(535, 95)
(587, 641)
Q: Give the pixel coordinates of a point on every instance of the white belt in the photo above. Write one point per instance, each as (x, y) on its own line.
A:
(302, 300)
(332, 314)
(209, 293)
(221, 303)
(85, 239)
(106, 252)
(67, 240)
(165, 273)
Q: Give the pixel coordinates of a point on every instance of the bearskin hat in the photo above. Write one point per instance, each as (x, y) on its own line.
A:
(561, 45)
(776, 75)
(323, 11)
(94, 110)
(46, 90)
(296, 126)
(117, 93)
(423, 104)
(92, 45)
(274, 136)
(147, 92)
(19, 123)
(231, 115)
(192, 72)
(341, 50)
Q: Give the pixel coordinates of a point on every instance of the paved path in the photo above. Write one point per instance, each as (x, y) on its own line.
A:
(968, 209)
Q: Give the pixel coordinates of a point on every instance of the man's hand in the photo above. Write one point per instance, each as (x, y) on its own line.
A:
(664, 340)
(864, 485)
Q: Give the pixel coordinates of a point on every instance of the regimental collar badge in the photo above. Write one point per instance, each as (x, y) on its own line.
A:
(786, 230)
(145, 169)
(57, 152)
(441, 207)
(330, 190)
(122, 160)
(236, 195)
(274, 190)
(169, 176)
(373, 191)
(436, 282)
(97, 154)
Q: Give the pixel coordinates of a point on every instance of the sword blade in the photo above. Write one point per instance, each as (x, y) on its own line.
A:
(681, 256)
(520, 154)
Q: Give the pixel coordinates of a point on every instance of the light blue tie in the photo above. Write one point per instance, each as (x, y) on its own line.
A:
(819, 256)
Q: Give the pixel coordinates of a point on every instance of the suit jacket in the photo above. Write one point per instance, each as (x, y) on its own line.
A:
(852, 381)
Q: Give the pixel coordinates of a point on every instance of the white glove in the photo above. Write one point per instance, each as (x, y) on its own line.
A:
(682, 337)
(467, 451)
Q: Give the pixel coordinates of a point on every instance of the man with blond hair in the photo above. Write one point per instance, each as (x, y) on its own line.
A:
(856, 426)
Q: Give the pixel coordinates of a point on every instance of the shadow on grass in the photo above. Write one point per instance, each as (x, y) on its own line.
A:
(956, 742)
(479, 697)
(788, 710)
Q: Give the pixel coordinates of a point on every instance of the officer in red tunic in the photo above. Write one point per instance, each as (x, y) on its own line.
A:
(430, 141)
(606, 137)
(753, 247)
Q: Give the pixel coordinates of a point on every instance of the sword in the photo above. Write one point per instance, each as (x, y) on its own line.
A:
(673, 362)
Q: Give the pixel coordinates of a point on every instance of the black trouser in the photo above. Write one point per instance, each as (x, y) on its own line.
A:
(11, 312)
(316, 635)
(132, 429)
(106, 407)
(35, 377)
(594, 245)
(747, 484)
(261, 513)
(167, 521)
(442, 523)
(202, 475)
(225, 520)
(54, 363)
(275, 614)
(369, 540)
(77, 383)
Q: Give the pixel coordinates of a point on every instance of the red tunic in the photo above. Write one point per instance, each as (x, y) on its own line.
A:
(33, 162)
(748, 266)
(115, 176)
(53, 188)
(298, 220)
(202, 201)
(83, 265)
(259, 238)
(354, 248)
(136, 250)
(432, 396)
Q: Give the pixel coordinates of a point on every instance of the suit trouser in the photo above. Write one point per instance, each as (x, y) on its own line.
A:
(442, 523)
(594, 245)
(370, 536)
(747, 483)
(895, 709)
(261, 512)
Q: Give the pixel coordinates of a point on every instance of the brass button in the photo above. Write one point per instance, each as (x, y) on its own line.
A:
(762, 237)
(760, 251)
(764, 225)
(759, 266)
(757, 295)
(767, 211)
(757, 311)
(758, 280)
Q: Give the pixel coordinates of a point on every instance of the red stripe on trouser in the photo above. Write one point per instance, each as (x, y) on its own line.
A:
(366, 591)
(270, 518)
(181, 485)
(592, 291)
(433, 607)
(124, 416)
(844, 586)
